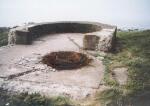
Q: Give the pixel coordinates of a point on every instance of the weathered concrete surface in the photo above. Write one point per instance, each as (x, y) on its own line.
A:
(107, 39)
(90, 42)
(28, 33)
(21, 69)
(88, 76)
(121, 75)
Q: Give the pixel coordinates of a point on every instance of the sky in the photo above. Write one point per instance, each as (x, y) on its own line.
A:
(123, 13)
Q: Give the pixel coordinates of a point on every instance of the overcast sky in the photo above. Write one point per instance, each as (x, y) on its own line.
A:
(123, 13)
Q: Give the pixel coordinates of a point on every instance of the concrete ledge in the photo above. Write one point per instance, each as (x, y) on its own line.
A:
(105, 33)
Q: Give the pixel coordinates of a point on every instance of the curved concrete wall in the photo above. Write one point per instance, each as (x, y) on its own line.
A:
(62, 27)
(26, 34)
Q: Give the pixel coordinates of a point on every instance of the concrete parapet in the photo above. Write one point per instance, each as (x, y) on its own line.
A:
(105, 34)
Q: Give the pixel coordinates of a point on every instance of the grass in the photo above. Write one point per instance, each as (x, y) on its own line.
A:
(109, 96)
(132, 51)
(35, 99)
(108, 77)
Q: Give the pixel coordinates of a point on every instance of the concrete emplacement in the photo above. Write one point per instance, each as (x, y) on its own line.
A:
(66, 60)
(22, 69)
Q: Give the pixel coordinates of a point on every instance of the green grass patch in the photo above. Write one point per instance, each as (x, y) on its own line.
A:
(108, 77)
(132, 51)
(135, 54)
(35, 99)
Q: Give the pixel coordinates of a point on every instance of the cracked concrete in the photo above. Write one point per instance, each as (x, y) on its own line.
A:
(21, 69)
(121, 75)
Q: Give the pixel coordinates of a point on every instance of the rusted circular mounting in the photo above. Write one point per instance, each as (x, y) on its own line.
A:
(65, 60)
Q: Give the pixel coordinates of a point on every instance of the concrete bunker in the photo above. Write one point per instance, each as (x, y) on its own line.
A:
(21, 63)
(103, 35)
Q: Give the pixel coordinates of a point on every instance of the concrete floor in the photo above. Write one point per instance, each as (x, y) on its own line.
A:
(77, 83)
